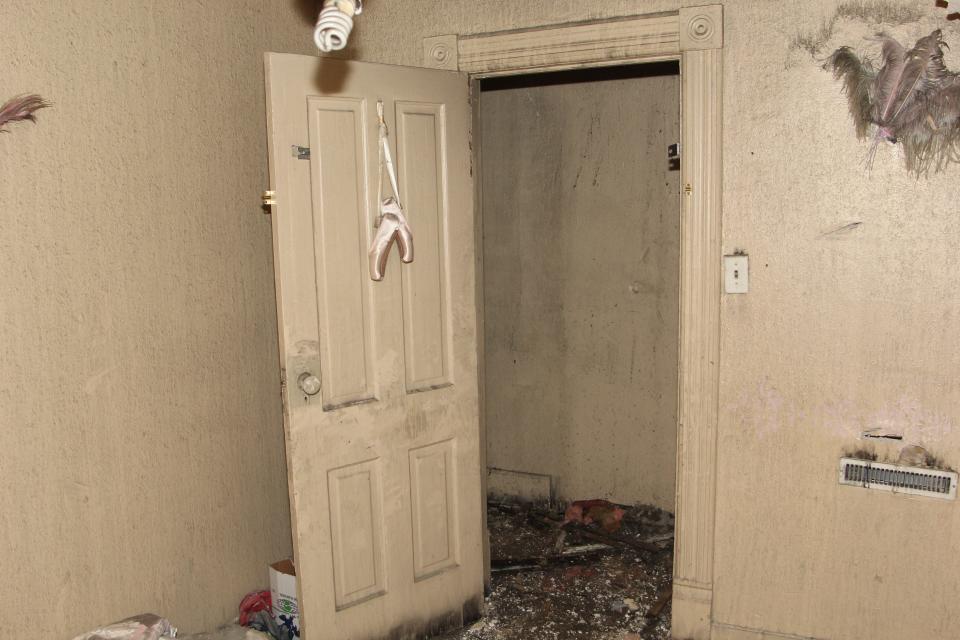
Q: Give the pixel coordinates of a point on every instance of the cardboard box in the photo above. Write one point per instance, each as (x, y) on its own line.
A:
(283, 595)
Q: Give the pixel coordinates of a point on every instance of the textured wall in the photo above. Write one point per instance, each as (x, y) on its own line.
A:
(581, 266)
(140, 418)
(840, 332)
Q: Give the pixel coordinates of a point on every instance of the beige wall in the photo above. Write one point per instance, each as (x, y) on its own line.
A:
(839, 332)
(140, 419)
(581, 266)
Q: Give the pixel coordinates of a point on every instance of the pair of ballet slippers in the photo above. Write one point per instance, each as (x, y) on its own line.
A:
(393, 226)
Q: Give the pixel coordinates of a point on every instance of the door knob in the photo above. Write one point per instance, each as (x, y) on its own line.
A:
(309, 383)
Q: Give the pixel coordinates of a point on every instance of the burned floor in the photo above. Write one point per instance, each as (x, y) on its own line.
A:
(595, 570)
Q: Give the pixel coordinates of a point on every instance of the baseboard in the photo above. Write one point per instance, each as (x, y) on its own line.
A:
(691, 612)
(519, 485)
(733, 632)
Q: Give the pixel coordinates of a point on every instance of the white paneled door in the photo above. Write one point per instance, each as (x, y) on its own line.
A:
(380, 394)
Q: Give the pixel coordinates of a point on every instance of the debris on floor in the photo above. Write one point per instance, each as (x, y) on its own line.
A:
(596, 570)
(229, 632)
(609, 516)
(146, 626)
(252, 604)
(257, 611)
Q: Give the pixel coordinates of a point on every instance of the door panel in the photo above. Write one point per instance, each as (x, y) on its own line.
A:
(384, 483)
(356, 526)
(339, 225)
(421, 147)
(435, 541)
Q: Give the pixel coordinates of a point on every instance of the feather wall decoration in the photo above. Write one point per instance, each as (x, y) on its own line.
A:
(20, 108)
(912, 100)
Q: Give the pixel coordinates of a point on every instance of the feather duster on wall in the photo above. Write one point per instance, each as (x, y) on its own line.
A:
(912, 100)
(20, 108)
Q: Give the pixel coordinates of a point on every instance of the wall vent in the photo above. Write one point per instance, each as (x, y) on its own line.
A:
(918, 481)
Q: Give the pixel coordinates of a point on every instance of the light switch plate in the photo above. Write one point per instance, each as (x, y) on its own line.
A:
(736, 273)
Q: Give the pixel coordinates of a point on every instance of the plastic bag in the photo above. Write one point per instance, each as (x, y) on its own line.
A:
(143, 627)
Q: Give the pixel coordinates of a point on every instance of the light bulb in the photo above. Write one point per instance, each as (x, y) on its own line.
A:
(335, 24)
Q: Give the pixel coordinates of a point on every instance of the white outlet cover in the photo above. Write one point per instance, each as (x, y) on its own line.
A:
(736, 274)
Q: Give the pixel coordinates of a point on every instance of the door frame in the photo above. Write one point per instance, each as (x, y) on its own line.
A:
(694, 37)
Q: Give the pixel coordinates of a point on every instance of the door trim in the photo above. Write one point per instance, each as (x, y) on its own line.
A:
(694, 37)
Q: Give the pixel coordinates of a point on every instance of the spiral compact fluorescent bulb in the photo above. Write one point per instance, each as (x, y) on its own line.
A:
(335, 24)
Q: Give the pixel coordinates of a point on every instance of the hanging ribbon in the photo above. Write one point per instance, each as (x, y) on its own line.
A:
(392, 223)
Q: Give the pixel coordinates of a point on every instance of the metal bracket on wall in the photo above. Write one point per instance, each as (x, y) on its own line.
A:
(300, 153)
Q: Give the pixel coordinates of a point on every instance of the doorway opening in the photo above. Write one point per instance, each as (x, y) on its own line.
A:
(580, 240)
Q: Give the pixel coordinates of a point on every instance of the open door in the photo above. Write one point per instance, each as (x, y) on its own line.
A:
(383, 454)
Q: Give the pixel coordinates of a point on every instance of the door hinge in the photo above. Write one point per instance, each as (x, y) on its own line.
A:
(267, 200)
(673, 156)
(300, 153)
